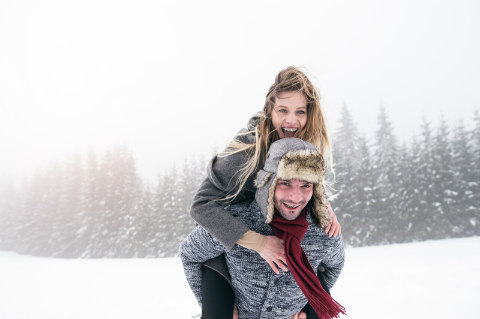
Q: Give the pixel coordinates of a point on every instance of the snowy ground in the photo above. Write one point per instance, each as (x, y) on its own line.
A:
(434, 279)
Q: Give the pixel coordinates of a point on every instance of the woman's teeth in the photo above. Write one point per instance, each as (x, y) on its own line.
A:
(289, 132)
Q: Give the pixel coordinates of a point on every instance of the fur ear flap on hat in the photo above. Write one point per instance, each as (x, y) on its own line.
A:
(292, 158)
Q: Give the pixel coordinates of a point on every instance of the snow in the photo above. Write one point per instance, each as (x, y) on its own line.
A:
(433, 279)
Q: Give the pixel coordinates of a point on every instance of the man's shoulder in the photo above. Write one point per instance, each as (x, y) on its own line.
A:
(250, 214)
(316, 233)
(243, 208)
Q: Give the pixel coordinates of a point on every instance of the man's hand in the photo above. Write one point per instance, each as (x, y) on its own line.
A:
(334, 228)
(299, 315)
(274, 254)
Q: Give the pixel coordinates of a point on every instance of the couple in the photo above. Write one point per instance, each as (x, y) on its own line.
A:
(274, 197)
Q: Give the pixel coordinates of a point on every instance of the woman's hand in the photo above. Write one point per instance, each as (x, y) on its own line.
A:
(274, 254)
(334, 228)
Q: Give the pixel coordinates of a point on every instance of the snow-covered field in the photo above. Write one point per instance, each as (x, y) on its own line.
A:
(434, 279)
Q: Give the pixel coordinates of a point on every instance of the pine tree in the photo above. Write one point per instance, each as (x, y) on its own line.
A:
(92, 203)
(443, 187)
(8, 211)
(146, 226)
(346, 164)
(386, 178)
(404, 194)
(464, 212)
(362, 188)
(474, 209)
(70, 209)
(423, 211)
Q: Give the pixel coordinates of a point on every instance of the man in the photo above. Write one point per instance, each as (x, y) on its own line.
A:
(289, 203)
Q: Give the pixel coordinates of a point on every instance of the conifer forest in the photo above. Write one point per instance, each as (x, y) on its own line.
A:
(383, 191)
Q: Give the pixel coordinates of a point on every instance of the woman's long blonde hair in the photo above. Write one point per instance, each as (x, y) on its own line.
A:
(314, 131)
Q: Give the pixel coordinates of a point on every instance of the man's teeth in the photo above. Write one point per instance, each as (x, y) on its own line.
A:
(291, 206)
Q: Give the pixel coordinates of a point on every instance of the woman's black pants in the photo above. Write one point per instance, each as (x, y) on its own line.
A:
(217, 295)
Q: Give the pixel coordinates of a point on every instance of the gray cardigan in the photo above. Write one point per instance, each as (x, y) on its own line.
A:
(222, 173)
(259, 292)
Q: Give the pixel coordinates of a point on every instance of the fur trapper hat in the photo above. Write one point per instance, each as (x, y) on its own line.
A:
(290, 158)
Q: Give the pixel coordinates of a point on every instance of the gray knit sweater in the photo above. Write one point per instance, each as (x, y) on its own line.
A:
(259, 292)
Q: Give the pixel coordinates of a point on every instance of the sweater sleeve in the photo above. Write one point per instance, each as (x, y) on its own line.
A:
(222, 175)
(196, 248)
(333, 264)
(207, 210)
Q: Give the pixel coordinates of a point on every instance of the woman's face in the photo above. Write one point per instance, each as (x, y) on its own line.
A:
(289, 114)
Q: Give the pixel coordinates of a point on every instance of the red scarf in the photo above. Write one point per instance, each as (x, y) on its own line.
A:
(292, 232)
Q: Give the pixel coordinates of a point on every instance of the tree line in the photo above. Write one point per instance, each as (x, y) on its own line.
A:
(382, 192)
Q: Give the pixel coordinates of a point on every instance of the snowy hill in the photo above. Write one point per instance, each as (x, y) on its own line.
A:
(434, 279)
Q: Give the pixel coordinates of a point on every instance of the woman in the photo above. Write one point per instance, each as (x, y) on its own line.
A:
(292, 109)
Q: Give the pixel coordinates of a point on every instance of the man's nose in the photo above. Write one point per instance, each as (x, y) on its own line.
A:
(296, 195)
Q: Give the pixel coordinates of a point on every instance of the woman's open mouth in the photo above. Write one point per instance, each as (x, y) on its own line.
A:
(289, 132)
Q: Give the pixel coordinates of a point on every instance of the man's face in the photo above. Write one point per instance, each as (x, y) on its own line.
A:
(291, 197)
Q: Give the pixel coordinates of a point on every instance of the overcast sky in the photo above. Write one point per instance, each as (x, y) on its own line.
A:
(176, 78)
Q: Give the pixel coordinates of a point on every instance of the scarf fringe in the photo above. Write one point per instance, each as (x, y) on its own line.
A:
(326, 309)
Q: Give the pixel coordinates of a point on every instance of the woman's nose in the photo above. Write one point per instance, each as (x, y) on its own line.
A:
(291, 118)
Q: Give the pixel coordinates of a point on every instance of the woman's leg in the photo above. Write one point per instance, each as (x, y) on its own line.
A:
(217, 296)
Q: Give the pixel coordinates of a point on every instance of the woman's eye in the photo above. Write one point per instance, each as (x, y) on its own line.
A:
(282, 111)
(301, 112)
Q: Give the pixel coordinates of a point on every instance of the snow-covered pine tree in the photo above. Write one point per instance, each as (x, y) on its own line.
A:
(362, 187)
(444, 190)
(423, 212)
(462, 217)
(475, 184)
(87, 233)
(68, 220)
(146, 225)
(346, 161)
(386, 170)
(8, 212)
(404, 196)
(127, 188)
(169, 189)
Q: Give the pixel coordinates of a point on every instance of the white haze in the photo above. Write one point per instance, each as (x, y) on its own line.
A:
(427, 280)
(176, 78)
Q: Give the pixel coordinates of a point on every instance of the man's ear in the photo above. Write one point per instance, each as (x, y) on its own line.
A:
(262, 178)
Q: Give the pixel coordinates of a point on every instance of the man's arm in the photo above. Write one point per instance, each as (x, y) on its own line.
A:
(198, 247)
(333, 263)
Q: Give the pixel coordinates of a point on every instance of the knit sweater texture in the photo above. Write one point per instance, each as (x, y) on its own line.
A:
(259, 292)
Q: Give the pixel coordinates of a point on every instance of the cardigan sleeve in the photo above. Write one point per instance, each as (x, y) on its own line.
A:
(334, 262)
